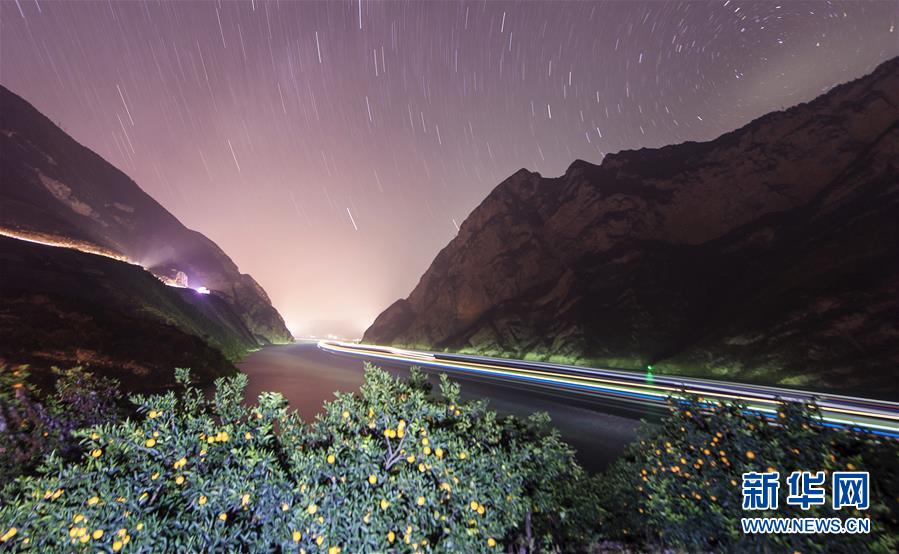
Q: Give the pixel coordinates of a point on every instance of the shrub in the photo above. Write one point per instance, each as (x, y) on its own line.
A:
(33, 424)
(391, 468)
(679, 486)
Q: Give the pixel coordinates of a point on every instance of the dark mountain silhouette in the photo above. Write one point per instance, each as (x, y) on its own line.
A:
(60, 307)
(770, 254)
(54, 189)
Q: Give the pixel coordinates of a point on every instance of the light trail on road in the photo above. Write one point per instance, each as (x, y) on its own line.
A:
(873, 416)
(87, 248)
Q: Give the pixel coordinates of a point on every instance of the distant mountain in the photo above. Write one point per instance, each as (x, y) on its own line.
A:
(770, 254)
(67, 308)
(54, 189)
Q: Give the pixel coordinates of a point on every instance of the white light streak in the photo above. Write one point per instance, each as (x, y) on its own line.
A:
(221, 30)
(125, 104)
(233, 155)
(318, 48)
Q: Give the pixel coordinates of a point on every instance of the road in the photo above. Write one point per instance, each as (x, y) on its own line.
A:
(877, 417)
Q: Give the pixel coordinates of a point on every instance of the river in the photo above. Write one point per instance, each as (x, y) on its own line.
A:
(307, 377)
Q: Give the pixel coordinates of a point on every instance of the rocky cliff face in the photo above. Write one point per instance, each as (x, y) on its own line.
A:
(768, 254)
(54, 189)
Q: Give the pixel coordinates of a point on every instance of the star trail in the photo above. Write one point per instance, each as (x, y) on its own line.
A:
(331, 149)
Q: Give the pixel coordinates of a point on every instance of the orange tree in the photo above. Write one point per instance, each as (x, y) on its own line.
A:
(392, 468)
(35, 422)
(680, 485)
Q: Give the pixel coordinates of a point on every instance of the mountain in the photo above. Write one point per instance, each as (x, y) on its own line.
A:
(53, 189)
(766, 255)
(62, 307)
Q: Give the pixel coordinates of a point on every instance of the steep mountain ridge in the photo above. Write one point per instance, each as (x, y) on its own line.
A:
(61, 307)
(55, 189)
(688, 256)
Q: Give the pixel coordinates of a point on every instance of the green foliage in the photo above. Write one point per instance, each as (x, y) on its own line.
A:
(680, 485)
(34, 423)
(391, 468)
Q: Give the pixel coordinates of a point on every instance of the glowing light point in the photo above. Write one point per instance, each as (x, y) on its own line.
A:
(202, 290)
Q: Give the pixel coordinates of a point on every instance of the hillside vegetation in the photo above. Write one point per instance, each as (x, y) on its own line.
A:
(67, 308)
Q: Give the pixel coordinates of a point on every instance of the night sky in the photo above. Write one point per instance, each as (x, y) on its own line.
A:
(331, 149)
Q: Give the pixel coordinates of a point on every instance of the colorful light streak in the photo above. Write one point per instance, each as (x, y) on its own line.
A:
(876, 416)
